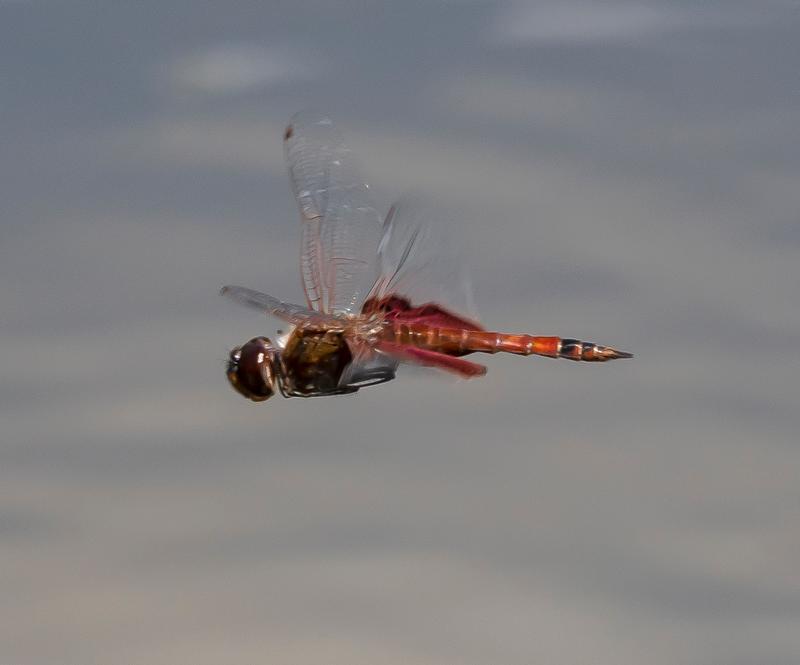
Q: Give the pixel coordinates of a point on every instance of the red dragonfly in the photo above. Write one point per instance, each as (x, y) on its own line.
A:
(359, 322)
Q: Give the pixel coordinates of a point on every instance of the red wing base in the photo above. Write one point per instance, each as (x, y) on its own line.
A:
(425, 358)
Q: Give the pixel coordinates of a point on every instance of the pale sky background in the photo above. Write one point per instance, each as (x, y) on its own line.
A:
(625, 172)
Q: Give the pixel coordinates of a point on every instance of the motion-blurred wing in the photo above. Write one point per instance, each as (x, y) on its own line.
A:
(426, 358)
(341, 227)
(419, 259)
(294, 314)
(368, 368)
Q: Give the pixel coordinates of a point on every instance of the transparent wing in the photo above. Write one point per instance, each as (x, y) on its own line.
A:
(294, 314)
(368, 367)
(419, 258)
(341, 227)
(427, 358)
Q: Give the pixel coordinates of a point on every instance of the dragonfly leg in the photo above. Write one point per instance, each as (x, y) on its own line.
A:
(370, 377)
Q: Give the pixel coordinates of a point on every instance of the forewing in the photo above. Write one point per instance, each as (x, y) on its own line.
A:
(341, 226)
(419, 258)
(294, 314)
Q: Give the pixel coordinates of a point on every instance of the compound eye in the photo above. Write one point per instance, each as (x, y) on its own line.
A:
(250, 370)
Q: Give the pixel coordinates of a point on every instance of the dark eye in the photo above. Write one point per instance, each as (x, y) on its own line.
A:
(250, 369)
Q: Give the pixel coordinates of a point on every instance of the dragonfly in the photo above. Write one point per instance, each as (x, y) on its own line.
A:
(358, 267)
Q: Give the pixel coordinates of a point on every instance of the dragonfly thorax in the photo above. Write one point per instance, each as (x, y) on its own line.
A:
(313, 361)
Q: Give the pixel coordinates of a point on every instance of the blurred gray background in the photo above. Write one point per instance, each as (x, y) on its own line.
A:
(625, 172)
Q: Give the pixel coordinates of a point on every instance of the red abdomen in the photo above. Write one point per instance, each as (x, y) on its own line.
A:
(433, 328)
(459, 342)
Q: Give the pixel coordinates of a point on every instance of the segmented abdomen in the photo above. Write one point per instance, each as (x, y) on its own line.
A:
(459, 342)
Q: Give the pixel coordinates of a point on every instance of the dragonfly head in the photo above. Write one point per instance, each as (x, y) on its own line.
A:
(252, 369)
